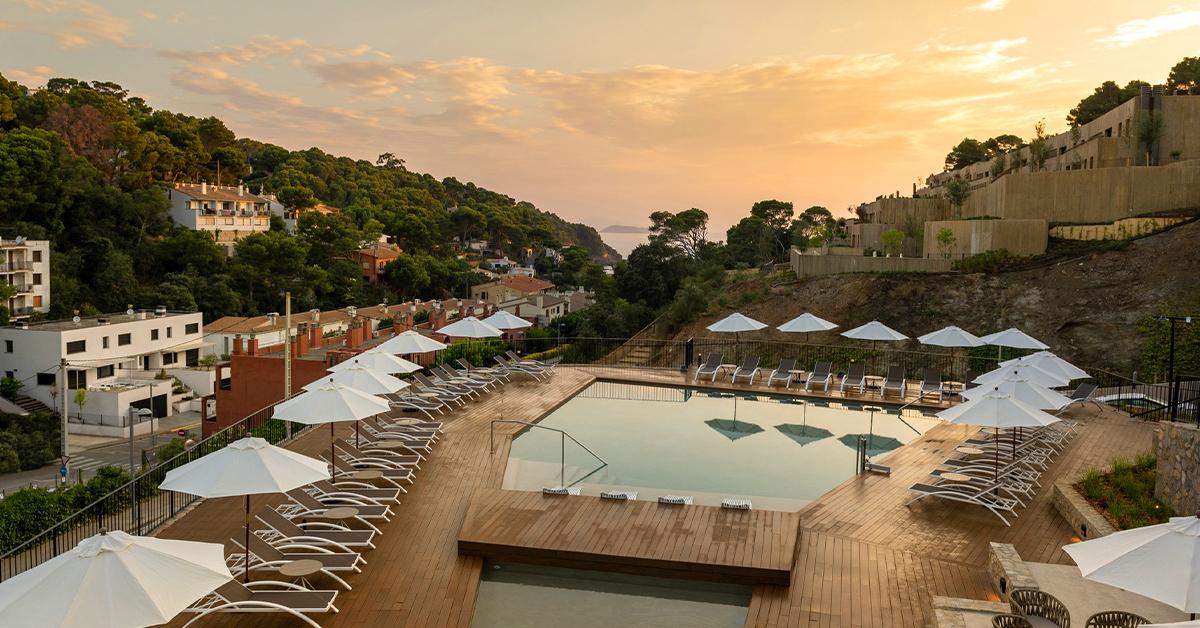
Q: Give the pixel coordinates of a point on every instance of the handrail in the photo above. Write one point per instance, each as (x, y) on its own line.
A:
(563, 435)
(900, 413)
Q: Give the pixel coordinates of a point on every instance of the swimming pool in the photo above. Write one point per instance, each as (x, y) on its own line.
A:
(780, 452)
(525, 596)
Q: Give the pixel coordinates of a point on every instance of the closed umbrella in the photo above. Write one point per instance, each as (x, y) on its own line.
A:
(1161, 562)
(1051, 364)
(409, 342)
(1015, 339)
(114, 579)
(806, 324)
(997, 410)
(506, 320)
(378, 360)
(1028, 372)
(330, 402)
(952, 336)
(250, 466)
(874, 331)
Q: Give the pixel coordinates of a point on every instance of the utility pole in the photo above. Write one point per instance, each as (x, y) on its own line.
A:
(1172, 386)
(287, 352)
(62, 392)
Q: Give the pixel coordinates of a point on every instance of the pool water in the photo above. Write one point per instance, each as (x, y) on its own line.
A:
(779, 452)
(522, 596)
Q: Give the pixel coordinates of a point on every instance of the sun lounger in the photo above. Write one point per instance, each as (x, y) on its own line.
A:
(1011, 486)
(736, 504)
(478, 376)
(265, 596)
(279, 526)
(623, 496)
(821, 375)
(675, 500)
(1081, 395)
(931, 384)
(532, 370)
(783, 372)
(408, 426)
(496, 372)
(368, 452)
(561, 490)
(749, 369)
(353, 489)
(543, 364)
(388, 474)
(429, 391)
(710, 368)
(267, 557)
(894, 381)
(441, 384)
(968, 494)
(306, 504)
(445, 374)
(856, 377)
(373, 433)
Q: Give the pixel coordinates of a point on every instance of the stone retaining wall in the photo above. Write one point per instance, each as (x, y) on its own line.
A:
(1084, 519)
(1177, 446)
(1007, 570)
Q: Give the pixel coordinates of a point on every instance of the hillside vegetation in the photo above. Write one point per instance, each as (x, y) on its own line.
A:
(1095, 310)
(83, 164)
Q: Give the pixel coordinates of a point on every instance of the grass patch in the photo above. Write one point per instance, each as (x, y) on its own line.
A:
(1125, 493)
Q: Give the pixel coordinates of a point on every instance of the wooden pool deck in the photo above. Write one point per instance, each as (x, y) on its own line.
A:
(861, 557)
(640, 537)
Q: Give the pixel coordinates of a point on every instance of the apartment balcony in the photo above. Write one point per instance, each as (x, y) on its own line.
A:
(22, 311)
(15, 266)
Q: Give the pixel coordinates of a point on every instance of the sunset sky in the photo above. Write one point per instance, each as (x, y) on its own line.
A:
(606, 111)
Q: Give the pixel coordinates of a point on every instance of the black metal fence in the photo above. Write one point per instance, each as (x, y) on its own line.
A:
(139, 506)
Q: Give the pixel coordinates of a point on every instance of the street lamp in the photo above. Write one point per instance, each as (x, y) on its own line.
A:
(1172, 387)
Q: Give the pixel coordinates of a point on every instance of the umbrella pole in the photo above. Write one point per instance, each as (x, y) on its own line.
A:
(332, 453)
(246, 566)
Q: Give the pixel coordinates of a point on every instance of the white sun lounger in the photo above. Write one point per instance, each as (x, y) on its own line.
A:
(821, 375)
(968, 494)
(783, 373)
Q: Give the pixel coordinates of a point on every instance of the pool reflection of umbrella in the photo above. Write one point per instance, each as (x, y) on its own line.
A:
(803, 434)
(876, 444)
(732, 429)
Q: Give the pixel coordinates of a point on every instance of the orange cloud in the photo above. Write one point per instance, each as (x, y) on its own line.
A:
(1137, 31)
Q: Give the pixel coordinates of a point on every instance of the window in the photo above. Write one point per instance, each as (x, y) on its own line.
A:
(104, 342)
(76, 346)
(123, 339)
(46, 379)
(10, 374)
(191, 328)
(105, 371)
(168, 332)
(37, 256)
(168, 358)
(8, 346)
(76, 379)
(37, 279)
(154, 334)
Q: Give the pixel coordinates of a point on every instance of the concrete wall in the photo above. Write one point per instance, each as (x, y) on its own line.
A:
(868, 236)
(1180, 113)
(1088, 196)
(901, 211)
(813, 265)
(1177, 446)
(1019, 237)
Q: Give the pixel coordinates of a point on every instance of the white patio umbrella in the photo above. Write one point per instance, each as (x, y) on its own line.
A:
(410, 341)
(1194, 623)
(470, 327)
(806, 324)
(114, 579)
(378, 360)
(997, 410)
(1161, 562)
(874, 331)
(330, 403)
(506, 320)
(1028, 372)
(735, 323)
(362, 379)
(1014, 339)
(1050, 363)
(250, 466)
(951, 336)
(1015, 384)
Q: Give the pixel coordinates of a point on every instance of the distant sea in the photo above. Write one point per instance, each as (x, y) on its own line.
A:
(624, 239)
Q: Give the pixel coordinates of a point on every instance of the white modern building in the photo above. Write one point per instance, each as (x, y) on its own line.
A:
(25, 265)
(230, 212)
(136, 359)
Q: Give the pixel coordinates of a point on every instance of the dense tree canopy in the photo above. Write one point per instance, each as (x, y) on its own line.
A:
(1102, 100)
(83, 164)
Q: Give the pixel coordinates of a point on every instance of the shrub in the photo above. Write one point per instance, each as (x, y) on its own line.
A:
(171, 449)
(10, 387)
(1125, 494)
(986, 262)
(10, 462)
